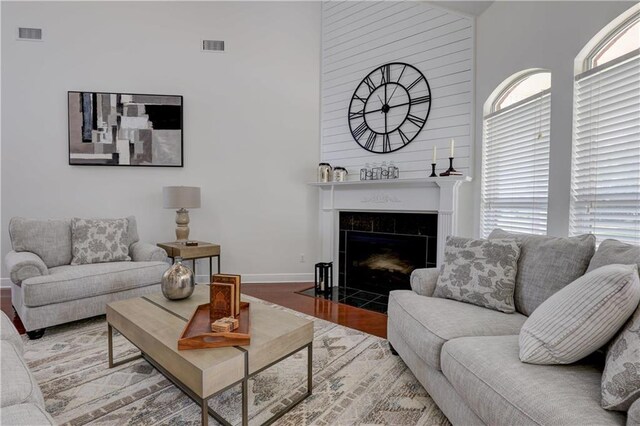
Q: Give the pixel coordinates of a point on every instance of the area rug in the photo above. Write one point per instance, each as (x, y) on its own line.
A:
(356, 380)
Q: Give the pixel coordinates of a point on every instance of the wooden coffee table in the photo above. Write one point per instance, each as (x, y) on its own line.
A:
(154, 324)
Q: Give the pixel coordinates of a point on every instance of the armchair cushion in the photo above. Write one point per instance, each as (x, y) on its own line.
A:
(25, 415)
(24, 265)
(633, 418)
(9, 333)
(49, 239)
(145, 252)
(423, 281)
(99, 240)
(68, 282)
(18, 384)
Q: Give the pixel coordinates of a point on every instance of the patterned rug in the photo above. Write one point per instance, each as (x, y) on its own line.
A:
(356, 380)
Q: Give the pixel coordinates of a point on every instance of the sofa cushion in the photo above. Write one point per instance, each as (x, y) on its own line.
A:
(427, 323)
(613, 251)
(621, 377)
(9, 333)
(546, 265)
(68, 282)
(25, 415)
(18, 384)
(49, 239)
(633, 416)
(489, 376)
(99, 240)
(481, 272)
(582, 317)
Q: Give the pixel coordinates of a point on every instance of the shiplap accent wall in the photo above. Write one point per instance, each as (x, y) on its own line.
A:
(360, 36)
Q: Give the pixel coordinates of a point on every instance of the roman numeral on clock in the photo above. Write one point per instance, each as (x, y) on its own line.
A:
(385, 70)
(371, 141)
(412, 85)
(405, 138)
(415, 120)
(386, 143)
(420, 100)
(357, 114)
(360, 130)
(370, 84)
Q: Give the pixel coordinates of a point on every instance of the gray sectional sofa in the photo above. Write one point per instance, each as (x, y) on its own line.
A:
(47, 290)
(467, 357)
(21, 401)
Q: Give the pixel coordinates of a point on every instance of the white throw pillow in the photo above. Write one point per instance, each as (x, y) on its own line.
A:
(582, 317)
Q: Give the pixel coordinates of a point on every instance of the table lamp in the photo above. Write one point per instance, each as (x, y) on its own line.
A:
(181, 198)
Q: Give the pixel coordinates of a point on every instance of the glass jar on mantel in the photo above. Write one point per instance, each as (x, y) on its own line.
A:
(324, 172)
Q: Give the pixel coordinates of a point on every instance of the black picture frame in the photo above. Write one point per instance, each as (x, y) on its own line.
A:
(179, 117)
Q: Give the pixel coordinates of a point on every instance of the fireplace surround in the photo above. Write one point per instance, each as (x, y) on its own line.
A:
(436, 196)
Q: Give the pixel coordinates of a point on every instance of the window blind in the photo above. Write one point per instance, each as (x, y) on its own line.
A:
(605, 177)
(515, 167)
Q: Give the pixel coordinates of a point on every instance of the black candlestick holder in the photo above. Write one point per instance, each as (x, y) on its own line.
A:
(451, 171)
(433, 170)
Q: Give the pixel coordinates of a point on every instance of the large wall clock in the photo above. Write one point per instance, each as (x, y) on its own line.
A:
(389, 108)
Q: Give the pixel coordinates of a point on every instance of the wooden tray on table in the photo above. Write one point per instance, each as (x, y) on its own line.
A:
(197, 333)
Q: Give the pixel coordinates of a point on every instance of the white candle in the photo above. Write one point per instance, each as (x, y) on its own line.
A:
(452, 148)
(433, 160)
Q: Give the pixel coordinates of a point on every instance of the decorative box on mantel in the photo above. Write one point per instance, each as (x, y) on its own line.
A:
(433, 195)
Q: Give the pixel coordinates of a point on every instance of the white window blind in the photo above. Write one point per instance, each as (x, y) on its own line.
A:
(605, 174)
(515, 172)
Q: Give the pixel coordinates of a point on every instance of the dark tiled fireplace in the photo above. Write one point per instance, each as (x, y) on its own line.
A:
(377, 253)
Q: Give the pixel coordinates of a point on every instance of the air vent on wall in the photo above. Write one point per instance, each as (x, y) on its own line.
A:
(30, 34)
(213, 45)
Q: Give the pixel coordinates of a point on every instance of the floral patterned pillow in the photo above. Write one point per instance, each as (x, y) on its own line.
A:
(621, 375)
(99, 240)
(481, 272)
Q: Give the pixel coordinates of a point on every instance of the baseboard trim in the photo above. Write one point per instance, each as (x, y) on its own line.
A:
(268, 278)
(246, 278)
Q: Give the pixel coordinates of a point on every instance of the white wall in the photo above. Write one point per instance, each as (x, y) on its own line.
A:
(361, 36)
(251, 121)
(513, 36)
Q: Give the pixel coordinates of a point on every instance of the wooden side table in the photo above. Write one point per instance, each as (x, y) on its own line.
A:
(202, 251)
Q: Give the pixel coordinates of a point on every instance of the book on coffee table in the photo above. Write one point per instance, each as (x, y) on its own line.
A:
(222, 301)
(230, 279)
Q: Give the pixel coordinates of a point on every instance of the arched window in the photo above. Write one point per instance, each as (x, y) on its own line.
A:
(605, 172)
(515, 155)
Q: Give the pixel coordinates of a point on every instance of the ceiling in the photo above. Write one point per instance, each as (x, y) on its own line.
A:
(474, 8)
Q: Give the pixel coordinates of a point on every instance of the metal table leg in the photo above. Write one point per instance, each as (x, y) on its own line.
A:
(110, 344)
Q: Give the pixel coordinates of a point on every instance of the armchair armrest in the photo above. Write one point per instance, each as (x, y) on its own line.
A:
(145, 252)
(633, 415)
(423, 281)
(23, 265)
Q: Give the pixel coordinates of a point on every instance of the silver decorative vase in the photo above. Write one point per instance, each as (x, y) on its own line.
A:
(178, 282)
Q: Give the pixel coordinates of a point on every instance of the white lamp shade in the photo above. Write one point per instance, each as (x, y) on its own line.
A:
(181, 197)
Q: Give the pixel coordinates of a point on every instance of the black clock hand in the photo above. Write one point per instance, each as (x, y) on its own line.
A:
(397, 85)
(390, 106)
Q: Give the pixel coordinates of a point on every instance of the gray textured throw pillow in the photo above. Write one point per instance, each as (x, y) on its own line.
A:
(99, 240)
(615, 252)
(546, 265)
(621, 376)
(480, 272)
(581, 317)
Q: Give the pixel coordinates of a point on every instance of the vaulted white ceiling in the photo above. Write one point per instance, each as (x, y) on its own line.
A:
(474, 8)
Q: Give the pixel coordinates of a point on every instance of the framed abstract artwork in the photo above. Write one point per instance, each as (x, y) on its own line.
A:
(125, 129)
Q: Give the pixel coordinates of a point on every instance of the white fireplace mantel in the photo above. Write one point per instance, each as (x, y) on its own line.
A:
(427, 195)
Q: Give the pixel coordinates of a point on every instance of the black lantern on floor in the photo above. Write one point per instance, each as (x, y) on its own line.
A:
(324, 279)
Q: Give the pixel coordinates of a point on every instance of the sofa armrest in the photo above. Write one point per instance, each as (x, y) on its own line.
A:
(145, 252)
(423, 281)
(633, 415)
(23, 265)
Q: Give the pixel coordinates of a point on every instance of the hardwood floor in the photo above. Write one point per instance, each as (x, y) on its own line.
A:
(283, 294)
(5, 305)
